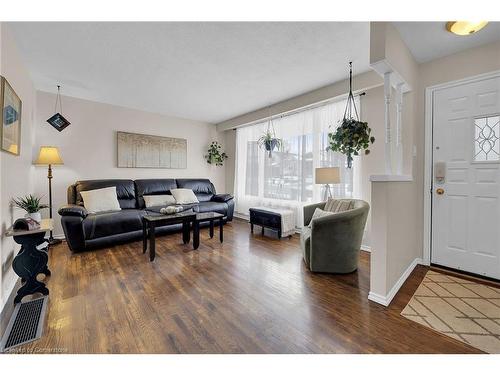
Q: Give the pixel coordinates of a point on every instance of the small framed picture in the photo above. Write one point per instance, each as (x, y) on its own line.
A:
(58, 121)
(10, 132)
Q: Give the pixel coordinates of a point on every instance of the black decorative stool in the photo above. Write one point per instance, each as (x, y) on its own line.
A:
(31, 259)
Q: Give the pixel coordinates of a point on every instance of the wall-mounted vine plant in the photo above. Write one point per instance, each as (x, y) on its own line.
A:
(215, 154)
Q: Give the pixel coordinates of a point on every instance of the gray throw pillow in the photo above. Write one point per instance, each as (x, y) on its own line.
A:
(318, 212)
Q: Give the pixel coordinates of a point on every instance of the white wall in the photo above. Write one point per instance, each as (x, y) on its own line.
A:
(88, 145)
(15, 171)
(395, 247)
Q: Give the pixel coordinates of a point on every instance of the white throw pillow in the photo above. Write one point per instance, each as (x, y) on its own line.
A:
(184, 196)
(158, 200)
(100, 200)
(318, 212)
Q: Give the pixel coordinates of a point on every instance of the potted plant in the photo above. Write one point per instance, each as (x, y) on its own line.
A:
(31, 204)
(269, 142)
(215, 155)
(352, 136)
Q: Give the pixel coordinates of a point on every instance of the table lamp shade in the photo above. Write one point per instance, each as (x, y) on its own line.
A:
(328, 175)
(48, 155)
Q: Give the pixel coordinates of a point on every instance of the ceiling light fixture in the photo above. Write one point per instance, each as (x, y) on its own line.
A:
(465, 27)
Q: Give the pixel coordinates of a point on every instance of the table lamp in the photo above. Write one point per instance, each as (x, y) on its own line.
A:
(327, 176)
(49, 155)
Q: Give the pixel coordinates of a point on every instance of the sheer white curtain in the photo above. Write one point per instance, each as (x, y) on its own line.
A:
(286, 180)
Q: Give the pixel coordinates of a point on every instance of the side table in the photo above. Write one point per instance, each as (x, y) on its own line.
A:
(30, 261)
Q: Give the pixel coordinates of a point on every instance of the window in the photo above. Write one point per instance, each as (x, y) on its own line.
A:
(486, 138)
(286, 179)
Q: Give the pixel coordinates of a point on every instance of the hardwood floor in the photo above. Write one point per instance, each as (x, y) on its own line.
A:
(248, 295)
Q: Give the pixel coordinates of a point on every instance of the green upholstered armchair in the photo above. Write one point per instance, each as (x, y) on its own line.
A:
(332, 243)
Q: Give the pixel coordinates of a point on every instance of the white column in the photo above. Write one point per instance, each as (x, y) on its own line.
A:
(399, 129)
(388, 140)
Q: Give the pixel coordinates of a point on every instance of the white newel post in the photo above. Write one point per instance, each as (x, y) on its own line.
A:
(399, 129)
(387, 96)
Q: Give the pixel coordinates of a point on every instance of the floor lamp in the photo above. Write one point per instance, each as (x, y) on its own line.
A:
(327, 176)
(49, 155)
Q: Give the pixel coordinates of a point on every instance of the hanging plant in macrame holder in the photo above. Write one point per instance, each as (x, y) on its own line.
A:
(269, 141)
(352, 136)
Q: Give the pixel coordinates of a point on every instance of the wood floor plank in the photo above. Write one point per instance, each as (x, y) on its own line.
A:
(251, 294)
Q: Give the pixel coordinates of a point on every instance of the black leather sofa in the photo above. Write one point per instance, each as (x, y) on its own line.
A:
(86, 231)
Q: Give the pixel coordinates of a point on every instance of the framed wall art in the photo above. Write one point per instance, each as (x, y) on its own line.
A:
(151, 151)
(10, 132)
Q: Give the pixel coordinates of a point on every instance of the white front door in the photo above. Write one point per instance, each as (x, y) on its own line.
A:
(466, 177)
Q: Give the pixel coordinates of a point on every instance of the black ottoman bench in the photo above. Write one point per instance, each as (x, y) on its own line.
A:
(270, 218)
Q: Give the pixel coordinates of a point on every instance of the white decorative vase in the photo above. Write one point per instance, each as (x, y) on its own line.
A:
(37, 216)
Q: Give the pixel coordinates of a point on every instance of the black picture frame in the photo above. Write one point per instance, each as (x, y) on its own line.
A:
(58, 121)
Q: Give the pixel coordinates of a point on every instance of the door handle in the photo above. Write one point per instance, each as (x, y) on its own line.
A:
(439, 191)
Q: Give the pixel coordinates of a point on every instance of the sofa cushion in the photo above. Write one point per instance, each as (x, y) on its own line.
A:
(100, 200)
(153, 186)
(184, 196)
(202, 187)
(109, 223)
(158, 200)
(125, 190)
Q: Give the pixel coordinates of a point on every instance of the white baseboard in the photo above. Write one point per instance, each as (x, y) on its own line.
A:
(386, 300)
(382, 300)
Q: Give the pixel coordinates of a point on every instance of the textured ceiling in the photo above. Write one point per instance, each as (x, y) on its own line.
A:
(203, 71)
(430, 40)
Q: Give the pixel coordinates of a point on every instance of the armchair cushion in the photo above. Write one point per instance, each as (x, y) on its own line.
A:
(318, 212)
(73, 210)
(339, 205)
(222, 197)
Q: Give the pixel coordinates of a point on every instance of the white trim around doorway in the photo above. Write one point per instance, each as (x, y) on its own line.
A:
(429, 94)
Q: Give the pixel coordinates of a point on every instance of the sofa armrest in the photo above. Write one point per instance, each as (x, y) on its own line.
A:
(222, 197)
(309, 211)
(73, 210)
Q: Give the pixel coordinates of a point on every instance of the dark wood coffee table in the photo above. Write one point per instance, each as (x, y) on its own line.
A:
(150, 222)
(211, 217)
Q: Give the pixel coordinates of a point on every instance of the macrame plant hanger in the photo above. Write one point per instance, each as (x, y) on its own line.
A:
(350, 108)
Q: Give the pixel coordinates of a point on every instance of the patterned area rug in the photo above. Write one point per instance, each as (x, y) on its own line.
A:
(462, 309)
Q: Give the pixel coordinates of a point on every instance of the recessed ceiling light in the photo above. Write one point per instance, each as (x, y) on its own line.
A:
(465, 27)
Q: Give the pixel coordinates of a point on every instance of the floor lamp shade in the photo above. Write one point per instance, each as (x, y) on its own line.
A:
(49, 155)
(327, 176)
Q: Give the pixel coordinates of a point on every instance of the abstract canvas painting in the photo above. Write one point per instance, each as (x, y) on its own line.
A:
(11, 118)
(151, 151)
